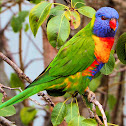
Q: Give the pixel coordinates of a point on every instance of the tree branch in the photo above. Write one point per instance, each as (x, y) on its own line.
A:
(15, 67)
(46, 98)
(4, 93)
(35, 45)
(6, 122)
(31, 61)
(92, 99)
(23, 76)
(8, 7)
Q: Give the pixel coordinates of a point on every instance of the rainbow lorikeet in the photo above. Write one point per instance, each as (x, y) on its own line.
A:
(78, 60)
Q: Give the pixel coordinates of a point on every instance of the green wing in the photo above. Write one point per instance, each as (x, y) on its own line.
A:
(74, 56)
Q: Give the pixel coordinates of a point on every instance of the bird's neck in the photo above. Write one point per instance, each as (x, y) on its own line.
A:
(103, 47)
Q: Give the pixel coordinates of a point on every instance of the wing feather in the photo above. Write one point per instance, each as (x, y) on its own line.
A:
(74, 56)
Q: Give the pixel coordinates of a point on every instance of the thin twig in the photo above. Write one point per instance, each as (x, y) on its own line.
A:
(23, 76)
(4, 3)
(8, 7)
(95, 115)
(91, 113)
(46, 98)
(117, 71)
(31, 40)
(6, 122)
(20, 44)
(31, 61)
(37, 102)
(92, 98)
(6, 26)
(16, 68)
(101, 110)
(4, 93)
(18, 88)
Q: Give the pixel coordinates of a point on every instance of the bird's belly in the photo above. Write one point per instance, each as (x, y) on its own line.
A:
(77, 82)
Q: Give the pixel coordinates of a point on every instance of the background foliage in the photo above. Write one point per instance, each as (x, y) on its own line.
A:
(109, 87)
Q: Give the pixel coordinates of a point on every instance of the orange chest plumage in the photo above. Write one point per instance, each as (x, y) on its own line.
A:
(103, 48)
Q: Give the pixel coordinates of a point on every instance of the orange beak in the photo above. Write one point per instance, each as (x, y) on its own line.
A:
(112, 23)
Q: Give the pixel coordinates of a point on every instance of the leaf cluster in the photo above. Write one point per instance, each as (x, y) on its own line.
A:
(70, 112)
(60, 19)
(17, 21)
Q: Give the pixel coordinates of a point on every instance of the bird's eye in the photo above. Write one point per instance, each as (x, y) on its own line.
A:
(103, 18)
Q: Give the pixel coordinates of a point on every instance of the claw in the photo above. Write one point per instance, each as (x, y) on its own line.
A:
(90, 95)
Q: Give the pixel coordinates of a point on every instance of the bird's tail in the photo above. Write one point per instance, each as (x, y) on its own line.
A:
(23, 95)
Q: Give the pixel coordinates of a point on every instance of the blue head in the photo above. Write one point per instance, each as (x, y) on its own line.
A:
(106, 22)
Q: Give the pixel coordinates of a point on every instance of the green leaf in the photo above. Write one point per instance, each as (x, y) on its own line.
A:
(94, 84)
(6, 111)
(74, 18)
(58, 10)
(58, 113)
(58, 30)
(77, 121)
(111, 102)
(109, 66)
(72, 111)
(22, 15)
(27, 114)
(87, 11)
(78, 3)
(121, 48)
(15, 81)
(35, 1)
(38, 14)
(89, 122)
(16, 22)
(26, 27)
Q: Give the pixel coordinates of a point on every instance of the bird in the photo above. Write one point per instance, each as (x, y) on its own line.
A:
(78, 60)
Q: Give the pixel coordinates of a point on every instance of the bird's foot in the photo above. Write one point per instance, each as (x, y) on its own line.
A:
(90, 95)
(92, 99)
